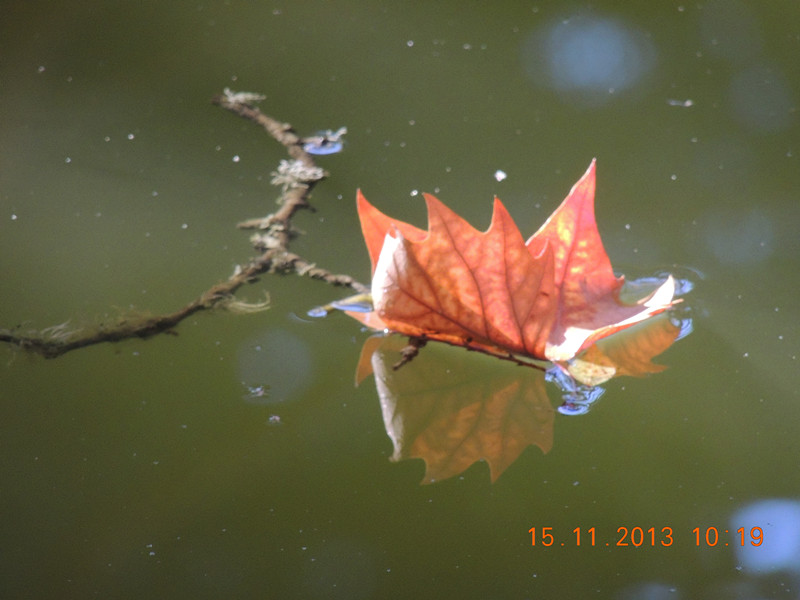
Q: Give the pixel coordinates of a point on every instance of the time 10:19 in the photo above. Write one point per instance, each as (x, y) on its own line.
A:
(711, 536)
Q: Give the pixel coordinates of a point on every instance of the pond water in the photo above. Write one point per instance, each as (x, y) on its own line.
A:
(238, 458)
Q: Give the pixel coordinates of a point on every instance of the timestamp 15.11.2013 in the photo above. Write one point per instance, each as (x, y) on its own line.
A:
(647, 536)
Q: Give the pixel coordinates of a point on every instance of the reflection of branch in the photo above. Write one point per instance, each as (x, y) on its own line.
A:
(274, 233)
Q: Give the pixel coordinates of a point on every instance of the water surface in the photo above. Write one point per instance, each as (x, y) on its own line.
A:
(238, 459)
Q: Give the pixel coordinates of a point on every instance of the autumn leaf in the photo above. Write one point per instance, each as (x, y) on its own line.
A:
(544, 299)
(464, 287)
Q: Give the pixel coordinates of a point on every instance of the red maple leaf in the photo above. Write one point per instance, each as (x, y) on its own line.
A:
(547, 298)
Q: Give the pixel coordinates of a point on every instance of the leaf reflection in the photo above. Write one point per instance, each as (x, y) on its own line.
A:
(453, 408)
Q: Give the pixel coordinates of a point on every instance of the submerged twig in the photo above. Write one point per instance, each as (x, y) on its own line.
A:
(295, 177)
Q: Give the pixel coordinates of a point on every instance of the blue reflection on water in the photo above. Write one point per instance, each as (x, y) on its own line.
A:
(274, 366)
(361, 303)
(761, 99)
(740, 237)
(325, 142)
(577, 398)
(591, 56)
(779, 521)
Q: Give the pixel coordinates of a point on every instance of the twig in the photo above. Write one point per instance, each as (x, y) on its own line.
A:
(409, 352)
(296, 177)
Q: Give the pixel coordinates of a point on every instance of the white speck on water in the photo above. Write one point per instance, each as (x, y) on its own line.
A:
(673, 177)
(236, 158)
(500, 175)
(68, 160)
(40, 69)
(415, 192)
(185, 226)
(410, 43)
(13, 217)
(131, 136)
(628, 226)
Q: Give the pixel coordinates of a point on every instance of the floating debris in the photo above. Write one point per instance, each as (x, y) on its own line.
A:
(256, 391)
(325, 142)
(357, 303)
(242, 97)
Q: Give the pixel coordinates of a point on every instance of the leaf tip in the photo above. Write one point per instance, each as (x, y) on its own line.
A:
(432, 202)
(360, 199)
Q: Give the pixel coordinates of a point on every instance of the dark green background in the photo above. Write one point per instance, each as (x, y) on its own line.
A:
(143, 469)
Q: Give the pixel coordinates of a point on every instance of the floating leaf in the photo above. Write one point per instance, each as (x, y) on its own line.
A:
(545, 299)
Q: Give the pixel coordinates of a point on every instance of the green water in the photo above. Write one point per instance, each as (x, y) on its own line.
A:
(151, 469)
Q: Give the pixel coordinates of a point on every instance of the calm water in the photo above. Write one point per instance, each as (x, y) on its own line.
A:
(238, 459)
